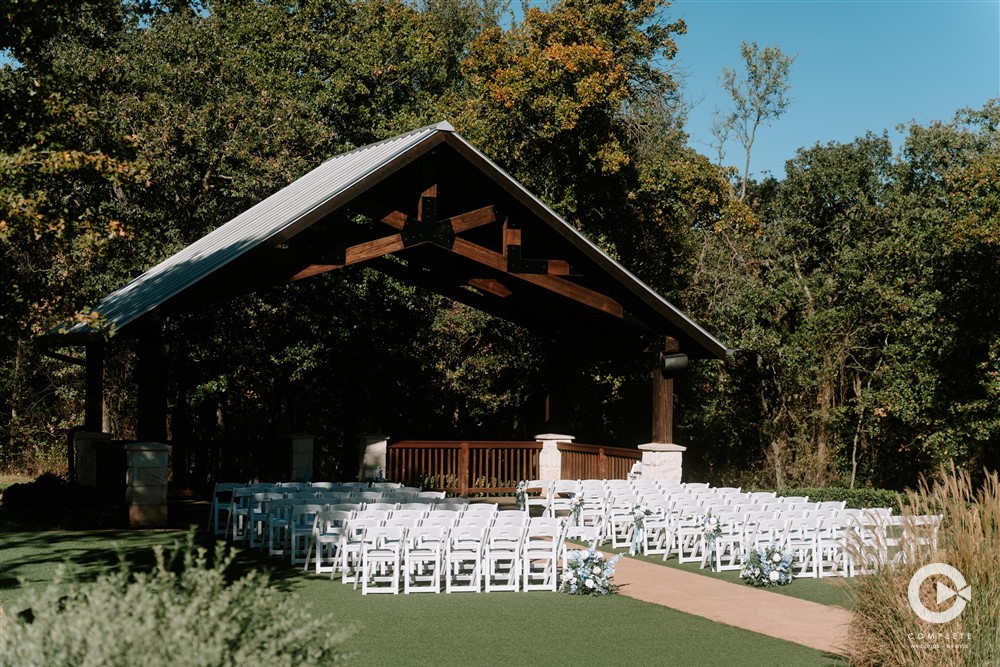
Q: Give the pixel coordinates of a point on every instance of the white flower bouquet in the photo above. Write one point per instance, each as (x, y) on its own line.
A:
(639, 514)
(520, 493)
(575, 507)
(589, 573)
(710, 527)
(768, 566)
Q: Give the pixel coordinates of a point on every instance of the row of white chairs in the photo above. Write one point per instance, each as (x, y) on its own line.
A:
(231, 502)
(479, 551)
(827, 538)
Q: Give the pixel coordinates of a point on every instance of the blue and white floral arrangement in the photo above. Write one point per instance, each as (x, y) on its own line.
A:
(575, 507)
(520, 494)
(710, 530)
(639, 514)
(768, 566)
(589, 573)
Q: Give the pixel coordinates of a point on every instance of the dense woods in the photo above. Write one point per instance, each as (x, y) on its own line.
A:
(859, 291)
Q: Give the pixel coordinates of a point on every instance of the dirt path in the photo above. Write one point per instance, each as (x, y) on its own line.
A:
(800, 621)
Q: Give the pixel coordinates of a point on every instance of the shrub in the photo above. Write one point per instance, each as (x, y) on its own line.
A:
(886, 631)
(53, 502)
(183, 612)
(854, 498)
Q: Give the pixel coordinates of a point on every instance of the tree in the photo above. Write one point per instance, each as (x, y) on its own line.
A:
(758, 98)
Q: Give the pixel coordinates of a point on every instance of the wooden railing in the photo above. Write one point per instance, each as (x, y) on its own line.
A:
(597, 462)
(462, 467)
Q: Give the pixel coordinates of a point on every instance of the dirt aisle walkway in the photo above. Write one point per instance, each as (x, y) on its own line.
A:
(800, 621)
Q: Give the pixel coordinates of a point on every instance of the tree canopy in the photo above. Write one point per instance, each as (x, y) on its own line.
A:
(857, 291)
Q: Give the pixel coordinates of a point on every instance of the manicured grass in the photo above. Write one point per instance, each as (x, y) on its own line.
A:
(458, 629)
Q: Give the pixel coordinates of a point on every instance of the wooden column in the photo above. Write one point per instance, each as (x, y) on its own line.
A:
(151, 371)
(93, 402)
(663, 398)
(557, 394)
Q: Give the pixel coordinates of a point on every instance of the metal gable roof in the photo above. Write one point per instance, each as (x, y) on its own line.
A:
(298, 204)
(329, 186)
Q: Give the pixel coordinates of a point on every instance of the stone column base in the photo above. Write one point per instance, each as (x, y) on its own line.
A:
(146, 483)
(373, 453)
(549, 459)
(662, 461)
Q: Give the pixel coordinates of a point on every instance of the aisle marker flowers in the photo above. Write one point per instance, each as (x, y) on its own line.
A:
(639, 514)
(768, 566)
(710, 530)
(589, 573)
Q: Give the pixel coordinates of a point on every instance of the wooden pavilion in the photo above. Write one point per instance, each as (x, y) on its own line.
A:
(440, 215)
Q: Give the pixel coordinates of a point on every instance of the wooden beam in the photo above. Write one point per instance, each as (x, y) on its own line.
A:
(558, 267)
(396, 219)
(473, 219)
(477, 253)
(494, 287)
(373, 249)
(555, 284)
(356, 254)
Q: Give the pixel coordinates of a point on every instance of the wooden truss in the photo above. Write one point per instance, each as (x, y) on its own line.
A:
(553, 275)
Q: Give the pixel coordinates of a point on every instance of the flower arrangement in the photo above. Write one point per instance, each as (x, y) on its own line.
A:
(575, 507)
(589, 573)
(520, 493)
(768, 566)
(710, 527)
(639, 514)
(710, 530)
(378, 477)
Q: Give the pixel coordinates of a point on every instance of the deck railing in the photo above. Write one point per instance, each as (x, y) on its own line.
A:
(462, 467)
(495, 467)
(596, 462)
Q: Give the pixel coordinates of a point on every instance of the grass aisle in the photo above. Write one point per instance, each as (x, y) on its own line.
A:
(503, 629)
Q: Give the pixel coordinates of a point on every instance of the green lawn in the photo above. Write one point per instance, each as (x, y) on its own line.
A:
(458, 629)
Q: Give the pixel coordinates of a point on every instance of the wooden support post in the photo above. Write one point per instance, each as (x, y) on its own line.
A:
(151, 420)
(463, 470)
(663, 398)
(93, 402)
(557, 397)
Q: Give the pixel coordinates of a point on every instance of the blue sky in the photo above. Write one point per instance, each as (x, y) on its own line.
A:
(860, 65)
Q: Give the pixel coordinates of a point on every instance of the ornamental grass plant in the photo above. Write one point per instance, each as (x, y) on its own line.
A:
(184, 612)
(885, 629)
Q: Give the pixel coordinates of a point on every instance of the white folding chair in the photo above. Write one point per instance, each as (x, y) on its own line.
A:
(538, 493)
(381, 554)
(350, 547)
(326, 540)
(832, 547)
(540, 554)
(730, 551)
(502, 566)
(259, 507)
(222, 497)
(300, 530)
(279, 515)
(423, 558)
(464, 558)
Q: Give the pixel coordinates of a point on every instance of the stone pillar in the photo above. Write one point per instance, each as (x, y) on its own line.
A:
(550, 460)
(85, 450)
(301, 464)
(373, 453)
(661, 461)
(146, 483)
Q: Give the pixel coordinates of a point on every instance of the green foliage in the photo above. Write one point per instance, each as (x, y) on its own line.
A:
(185, 611)
(854, 498)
